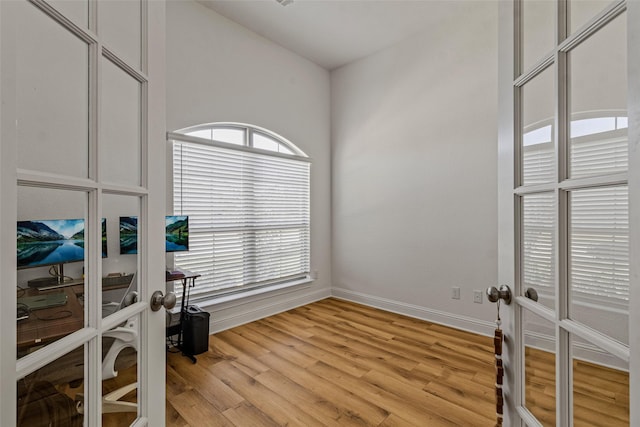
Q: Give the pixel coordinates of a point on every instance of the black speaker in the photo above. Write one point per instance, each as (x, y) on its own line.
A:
(195, 330)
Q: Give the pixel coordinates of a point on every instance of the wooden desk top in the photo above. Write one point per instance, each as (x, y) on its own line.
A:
(50, 324)
(180, 274)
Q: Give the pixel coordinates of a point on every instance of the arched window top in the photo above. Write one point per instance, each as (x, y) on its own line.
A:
(585, 124)
(243, 135)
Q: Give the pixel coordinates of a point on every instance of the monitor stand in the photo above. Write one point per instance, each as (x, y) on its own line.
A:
(50, 282)
(42, 282)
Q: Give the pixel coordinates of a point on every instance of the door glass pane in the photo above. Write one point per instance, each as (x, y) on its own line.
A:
(49, 396)
(540, 367)
(538, 28)
(51, 263)
(52, 96)
(600, 387)
(120, 28)
(599, 259)
(119, 268)
(598, 102)
(538, 246)
(538, 144)
(582, 11)
(120, 143)
(120, 374)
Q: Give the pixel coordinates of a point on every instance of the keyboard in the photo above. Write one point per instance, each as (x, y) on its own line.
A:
(42, 301)
(59, 285)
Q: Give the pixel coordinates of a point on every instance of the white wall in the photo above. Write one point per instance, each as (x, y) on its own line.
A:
(414, 173)
(218, 71)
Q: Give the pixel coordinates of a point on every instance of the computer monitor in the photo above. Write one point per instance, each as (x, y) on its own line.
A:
(128, 235)
(50, 242)
(176, 234)
(53, 242)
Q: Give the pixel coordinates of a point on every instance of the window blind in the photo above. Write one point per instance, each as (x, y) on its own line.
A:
(249, 215)
(539, 228)
(538, 164)
(599, 244)
(599, 157)
(598, 217)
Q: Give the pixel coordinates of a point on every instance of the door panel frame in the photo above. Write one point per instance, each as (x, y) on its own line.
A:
(633, 71)
(151, 369)
(509, 211)
(506, 203)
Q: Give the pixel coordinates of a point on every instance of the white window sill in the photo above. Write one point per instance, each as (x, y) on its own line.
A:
(209, 300)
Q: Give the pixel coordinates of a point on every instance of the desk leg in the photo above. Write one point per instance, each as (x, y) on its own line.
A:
(185, 284)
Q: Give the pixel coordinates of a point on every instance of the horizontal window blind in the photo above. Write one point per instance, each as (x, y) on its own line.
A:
(249, 218)
(538, 164)
(600, 156)
(599, 245)
(538, 242)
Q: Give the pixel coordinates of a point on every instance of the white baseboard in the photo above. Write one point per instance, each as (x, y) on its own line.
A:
(464, 323)
(226, 316)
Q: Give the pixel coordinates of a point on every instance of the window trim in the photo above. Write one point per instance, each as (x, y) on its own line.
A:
(249, 131)
(208, 296)
(174, 136)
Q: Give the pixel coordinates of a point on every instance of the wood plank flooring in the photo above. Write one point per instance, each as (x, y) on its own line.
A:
(601, 394)
(335, 363)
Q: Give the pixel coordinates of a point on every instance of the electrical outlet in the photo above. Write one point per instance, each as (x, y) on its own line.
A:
(477, 297)
(455, 292)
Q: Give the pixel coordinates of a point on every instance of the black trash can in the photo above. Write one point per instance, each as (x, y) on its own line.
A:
(195, 330)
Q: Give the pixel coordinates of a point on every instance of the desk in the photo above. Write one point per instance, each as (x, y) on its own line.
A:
(35, 332)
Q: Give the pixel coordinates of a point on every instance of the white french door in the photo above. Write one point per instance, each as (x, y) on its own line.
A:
(568, 203)
(82, 146)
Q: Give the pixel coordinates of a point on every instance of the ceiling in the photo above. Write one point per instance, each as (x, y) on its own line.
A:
(332, 33)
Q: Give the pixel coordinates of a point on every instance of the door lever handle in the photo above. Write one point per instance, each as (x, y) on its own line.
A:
(504, 293)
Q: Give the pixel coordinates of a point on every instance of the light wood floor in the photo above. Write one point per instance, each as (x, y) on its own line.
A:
(335, 363)
(601, 394)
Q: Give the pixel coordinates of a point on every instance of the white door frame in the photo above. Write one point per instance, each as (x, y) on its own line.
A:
(506, 205)
(507, 211)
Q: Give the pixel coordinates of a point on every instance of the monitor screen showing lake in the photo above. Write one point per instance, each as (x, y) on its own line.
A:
(48, 242)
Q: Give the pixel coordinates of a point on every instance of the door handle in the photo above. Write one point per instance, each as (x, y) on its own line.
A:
(159, 300)
(504, 293)
(532, 294)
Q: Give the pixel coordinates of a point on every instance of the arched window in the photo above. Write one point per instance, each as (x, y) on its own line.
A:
(246, 192)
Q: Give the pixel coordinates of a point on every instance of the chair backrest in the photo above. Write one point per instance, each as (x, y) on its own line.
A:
(123, 297)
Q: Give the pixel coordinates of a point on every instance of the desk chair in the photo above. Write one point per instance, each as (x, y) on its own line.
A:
(124, 336)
